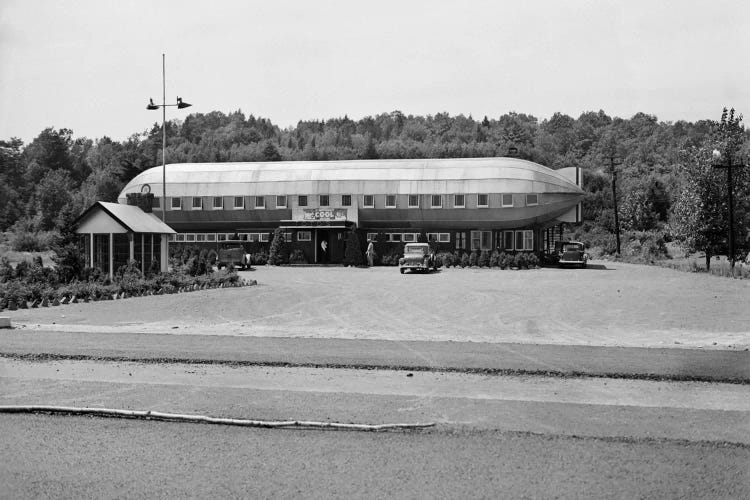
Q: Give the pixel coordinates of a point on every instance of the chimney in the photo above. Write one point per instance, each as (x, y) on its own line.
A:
(144, 201)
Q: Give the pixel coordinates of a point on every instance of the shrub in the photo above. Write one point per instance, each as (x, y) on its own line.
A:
(465, 260)
(260, 258)
(444, 259)
(484, 259)
(276, 254)
(353, 251)
(473, 258)
(6, 270)
(520, 260)
(532, 261)
(297, 257)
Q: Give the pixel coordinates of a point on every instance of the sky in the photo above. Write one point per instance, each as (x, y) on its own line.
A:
(92, 65)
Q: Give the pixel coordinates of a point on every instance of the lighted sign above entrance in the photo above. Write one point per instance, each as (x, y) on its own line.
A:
(324, 214)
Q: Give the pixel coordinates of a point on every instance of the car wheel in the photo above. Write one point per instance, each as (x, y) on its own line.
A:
(402, 270)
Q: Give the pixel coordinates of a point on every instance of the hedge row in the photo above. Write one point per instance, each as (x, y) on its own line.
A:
(502, 260)
(31, 291)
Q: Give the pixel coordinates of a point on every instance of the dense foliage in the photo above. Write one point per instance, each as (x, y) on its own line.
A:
(55, 176)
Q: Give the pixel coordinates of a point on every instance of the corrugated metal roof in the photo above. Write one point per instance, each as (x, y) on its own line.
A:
(425, 176)
(135, 219)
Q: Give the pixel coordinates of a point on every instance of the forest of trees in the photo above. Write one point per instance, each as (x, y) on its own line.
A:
(46, 183)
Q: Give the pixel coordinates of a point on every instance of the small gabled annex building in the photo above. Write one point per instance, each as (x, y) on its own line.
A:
(114, 233)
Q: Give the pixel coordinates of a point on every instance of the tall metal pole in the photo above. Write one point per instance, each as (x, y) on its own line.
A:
(731, 212)
(614, 201)
(730, 188)
(164, 141)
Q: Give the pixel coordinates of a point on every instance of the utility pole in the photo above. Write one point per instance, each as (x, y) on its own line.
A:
(614, 201)
(730, 187)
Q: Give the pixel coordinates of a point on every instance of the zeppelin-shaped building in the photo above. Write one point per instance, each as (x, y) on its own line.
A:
(466, 204)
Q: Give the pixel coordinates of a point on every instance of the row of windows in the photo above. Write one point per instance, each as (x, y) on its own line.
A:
(479, 240)
(410, 237)
(368, 201)
(506, 240)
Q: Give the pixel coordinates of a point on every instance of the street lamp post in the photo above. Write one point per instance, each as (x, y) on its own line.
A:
(163, 106)
(614, 200)
(730, 197)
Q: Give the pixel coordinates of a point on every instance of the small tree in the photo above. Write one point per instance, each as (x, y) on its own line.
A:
(276, 255)
(353, 251)
(699, 218)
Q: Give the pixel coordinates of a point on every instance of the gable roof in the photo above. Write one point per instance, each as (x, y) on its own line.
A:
(130, 217)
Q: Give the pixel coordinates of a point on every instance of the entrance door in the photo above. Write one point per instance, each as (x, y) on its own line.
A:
(336, 246)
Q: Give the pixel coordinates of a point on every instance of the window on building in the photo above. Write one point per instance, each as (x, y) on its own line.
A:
(218, 202)
(239, 202)
(264, 237)
(394, 237)
(260, 202)
(200, 237)
(324, 201)
(211, 237)
(176, 203)
(197, 203)
(156, 202)
(302, 200)
(508, 241)
(346, 200)
(172, 237)
(304, 235)
(525, 240)
(221, 237)
(436, 201)
(281, 202)
(368, 201)
(413, 201)
(179, 237)
(409, 237)
(532, 199)
(481, 240)
(461, 240)
(432, 237)
(507, 200)
(288, 237)
(372, 236)
(190, 237)
(459, 201)
(390, 201)
(483, 201)
(251, 237)
(444, 238)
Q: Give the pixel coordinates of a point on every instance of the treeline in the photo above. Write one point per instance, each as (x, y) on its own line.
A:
(56, 176)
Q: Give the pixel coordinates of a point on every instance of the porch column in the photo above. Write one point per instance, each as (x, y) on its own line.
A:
(131, 238)
(111, 255)
(164, 264)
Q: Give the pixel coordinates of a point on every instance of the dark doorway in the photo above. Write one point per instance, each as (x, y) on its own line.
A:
(324, 247)
(330, 246)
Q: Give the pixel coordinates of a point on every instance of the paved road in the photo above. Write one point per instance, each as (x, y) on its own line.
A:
(679, 364)
(595, 407)
(77, 457)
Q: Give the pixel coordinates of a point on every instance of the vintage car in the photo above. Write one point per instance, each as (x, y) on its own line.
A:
(571, 253)
(234, 255)
(417, 257)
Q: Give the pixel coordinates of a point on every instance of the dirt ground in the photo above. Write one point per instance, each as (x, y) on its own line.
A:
(607, 304)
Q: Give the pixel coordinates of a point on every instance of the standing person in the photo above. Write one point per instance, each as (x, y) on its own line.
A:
(324, 247)
(370, 253)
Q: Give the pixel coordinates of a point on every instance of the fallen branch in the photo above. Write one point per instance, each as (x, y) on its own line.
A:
(176, 417)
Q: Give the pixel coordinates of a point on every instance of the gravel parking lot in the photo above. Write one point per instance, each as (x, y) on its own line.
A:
(606, 304)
